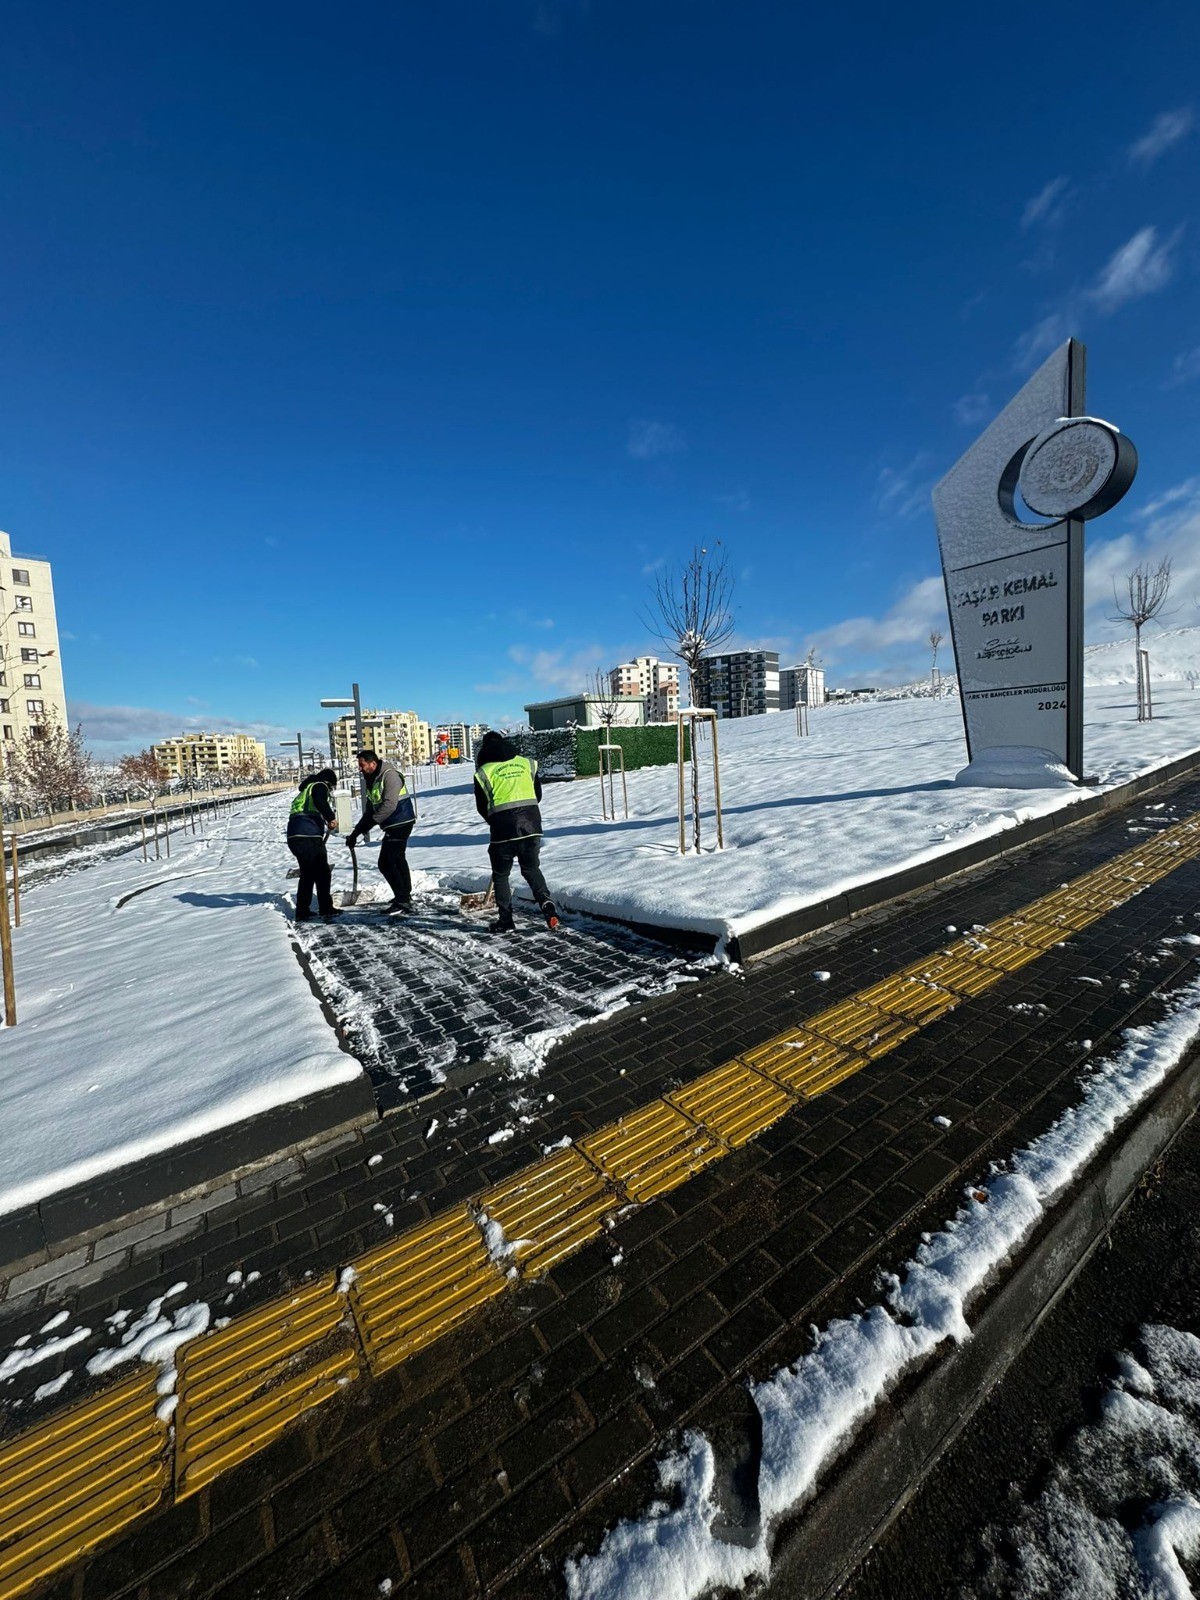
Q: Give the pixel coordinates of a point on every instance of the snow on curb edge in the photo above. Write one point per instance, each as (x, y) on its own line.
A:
(811, 1409)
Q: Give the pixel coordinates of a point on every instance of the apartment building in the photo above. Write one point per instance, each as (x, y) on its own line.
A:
(801, 686)
(739, 683)
(399, 736)
(655, 681)
(31, 674)
(211, 755)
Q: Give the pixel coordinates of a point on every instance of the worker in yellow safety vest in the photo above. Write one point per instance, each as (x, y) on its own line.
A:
(507, 791)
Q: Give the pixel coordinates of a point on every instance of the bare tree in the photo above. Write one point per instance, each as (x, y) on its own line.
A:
(599, 689)
(49, 768)
(691, 608)
(1147, 593)
(691, 611)
(935, 638)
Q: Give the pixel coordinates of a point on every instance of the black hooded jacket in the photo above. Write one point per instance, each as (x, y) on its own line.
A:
(514, 822)
(317, 813)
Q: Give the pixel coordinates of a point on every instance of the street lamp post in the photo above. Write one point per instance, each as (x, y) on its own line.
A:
(354, 704)
(296, 744)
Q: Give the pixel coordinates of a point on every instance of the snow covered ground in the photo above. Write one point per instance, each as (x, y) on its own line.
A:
(1174, 652)
(156, 1001)
(148, 1021)
(871, 790)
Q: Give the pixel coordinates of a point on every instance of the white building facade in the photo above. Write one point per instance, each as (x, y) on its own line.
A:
(31, 675)
(655, 682)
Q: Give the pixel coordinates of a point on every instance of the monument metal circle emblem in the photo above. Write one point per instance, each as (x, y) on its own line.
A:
(1077, 467)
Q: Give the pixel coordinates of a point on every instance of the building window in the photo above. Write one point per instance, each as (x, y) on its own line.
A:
(33, 680)
(35, 708)
(27, 630)
(3, 678)
(8, 733)
(29, 653)
(36, 731)
(21, 575)
(4, 706)
(22, 602)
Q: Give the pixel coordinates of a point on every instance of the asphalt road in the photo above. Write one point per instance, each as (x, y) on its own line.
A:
(1149, 1273)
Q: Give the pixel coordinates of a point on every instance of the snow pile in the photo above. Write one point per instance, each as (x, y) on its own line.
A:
(1078, 1541)
(1015, 766)
(812, 1409)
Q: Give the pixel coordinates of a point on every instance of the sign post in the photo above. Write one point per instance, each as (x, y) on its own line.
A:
(1010, 518)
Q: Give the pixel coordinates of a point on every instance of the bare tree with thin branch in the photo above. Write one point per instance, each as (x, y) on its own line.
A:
(691, 611)
(1147, 593)
(599, 689)
(935, 638)
(691, 608)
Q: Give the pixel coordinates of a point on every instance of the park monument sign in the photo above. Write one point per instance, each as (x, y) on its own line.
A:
(1010, 518)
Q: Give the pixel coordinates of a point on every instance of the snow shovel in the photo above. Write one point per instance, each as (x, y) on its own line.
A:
(479, 902)
(351, 899)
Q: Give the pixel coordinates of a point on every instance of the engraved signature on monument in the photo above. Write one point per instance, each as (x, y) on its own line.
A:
(1001, 650)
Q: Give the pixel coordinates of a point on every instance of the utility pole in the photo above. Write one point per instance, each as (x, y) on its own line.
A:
(354, 704)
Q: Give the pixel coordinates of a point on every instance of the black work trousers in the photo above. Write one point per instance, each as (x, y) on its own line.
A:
(525, 852)
(314, 874)
(393, 861)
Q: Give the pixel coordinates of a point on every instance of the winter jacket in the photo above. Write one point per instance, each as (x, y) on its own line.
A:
(389, 804)
(507, 790)
(312, 811)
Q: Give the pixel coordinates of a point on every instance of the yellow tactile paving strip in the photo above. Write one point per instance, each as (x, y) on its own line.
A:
(548, 1211)
(69, 1484)
(410, 1291)
(78, 1479)
(242, 1386)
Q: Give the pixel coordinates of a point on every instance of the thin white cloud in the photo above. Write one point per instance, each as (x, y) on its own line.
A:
(648, 439)
(1169, 525)
(972, 409)
(1140, 267)
(1048, 206)
(738, 501)
(116, 729)
(1184, 368)
(1167, 129)
(882, 650)
(1036, 343)
(903, 492)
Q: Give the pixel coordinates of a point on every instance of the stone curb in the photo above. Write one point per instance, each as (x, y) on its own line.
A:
(910, 1431)
(36, 1233)
(785, 930)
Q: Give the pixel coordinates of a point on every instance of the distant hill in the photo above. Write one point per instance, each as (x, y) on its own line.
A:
(1174, 652)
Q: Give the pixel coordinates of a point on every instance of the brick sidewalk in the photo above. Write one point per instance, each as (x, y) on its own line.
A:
(479, 1463)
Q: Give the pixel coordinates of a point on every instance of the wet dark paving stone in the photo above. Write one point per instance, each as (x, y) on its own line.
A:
(434, 998)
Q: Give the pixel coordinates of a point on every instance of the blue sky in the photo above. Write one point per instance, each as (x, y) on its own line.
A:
(404, 342)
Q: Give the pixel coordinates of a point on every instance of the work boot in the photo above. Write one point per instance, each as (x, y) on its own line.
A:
(550, 914)
(398, 906)
(504, 921)
(334, 911)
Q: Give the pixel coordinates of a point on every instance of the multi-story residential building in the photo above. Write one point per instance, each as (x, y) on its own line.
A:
(399, 736)
(739, 683)
(657, 682)
(31, 675)
(211, 755)
(801, 686)
(586, 711)
(460, 736)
